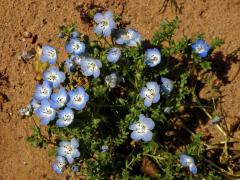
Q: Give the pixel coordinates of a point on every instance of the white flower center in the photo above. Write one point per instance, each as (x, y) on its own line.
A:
(92, 66)
(199, 49)
(77, 98)
(68, 149)
(154, 58)
(126, 36)
(44, 91)
(76, 46)
(67, 117)
(51, 53)
(61, 100)
(189, 162)
(141, 128)
(48, 111)
(150, 93)
(52, 77)
(60, 165)
(104, 24)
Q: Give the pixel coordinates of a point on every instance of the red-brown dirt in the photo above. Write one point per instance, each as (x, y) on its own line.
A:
(18, 160)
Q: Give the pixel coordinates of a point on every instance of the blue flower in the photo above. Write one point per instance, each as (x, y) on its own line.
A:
(66, 117)
(75, 47)
(59, 164)
(201, 48)
(104, 148)
(69, 150)
(43, 91)
(104, 23)
(75, 168)
(130, 38)
(215, 120)
(35, 104)
(188, 161)
(78, 58)
(59, 99)
(167, 85)
(78, 98)
(75, 34)
(45, 112)
(69, 64)
(49, 54)
(54, 76)
(150, 93)
(142, 129)
(114, 55)
(91, 67)
(152, 57)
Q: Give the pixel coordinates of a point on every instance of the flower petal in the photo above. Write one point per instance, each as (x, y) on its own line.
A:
(147, 136)
(74, 142)
(136, 136)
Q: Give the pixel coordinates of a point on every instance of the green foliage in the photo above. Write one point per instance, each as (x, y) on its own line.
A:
(106, 118)
(216, 42)
(196, 147)
(166, 32)
(36, 139)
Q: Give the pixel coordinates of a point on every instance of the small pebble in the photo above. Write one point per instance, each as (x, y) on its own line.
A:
(27, 34)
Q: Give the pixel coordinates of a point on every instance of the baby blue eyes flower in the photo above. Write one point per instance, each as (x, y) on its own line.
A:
(78, 58)
(104, 148)
(150, 93)
(201, 48)
(78, 98)
(91, 67)
(75, 168)
(69, 150)
(59, 164)
(66, 117)
(114, 55)
(35, 104)
(46, 112)
(188, 161)
(167, 85)
(215, 120)
(142, 129)
(54, 76)
(59, 99)
(49, 54)
(130, 38)
(152, 57)
(104, 23)
(43, 91)
(75, 34)
(69, 64)
(75, 47)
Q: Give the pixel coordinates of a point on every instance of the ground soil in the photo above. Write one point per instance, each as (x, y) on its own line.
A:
(18, 160)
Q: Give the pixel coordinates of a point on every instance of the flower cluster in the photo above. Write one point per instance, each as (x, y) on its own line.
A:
(66, 153)
(57, 100)
(52, 100)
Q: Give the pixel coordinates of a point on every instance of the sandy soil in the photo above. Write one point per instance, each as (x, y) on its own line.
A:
(214, 18)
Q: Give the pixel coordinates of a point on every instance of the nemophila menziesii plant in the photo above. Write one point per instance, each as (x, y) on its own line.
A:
(123, 107)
